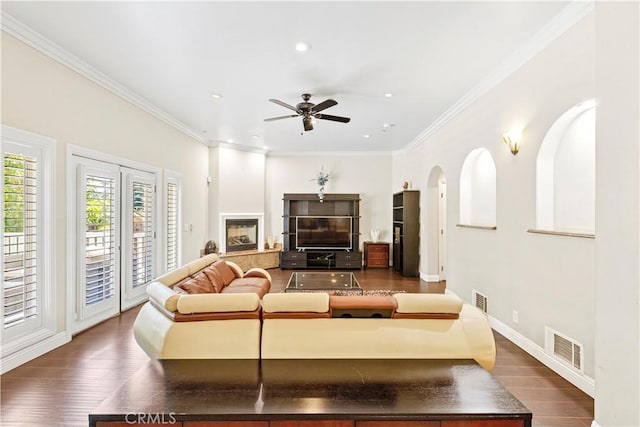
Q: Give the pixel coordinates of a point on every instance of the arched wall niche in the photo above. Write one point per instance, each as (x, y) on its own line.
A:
(565, 173)
(436, 217)
(478, 189)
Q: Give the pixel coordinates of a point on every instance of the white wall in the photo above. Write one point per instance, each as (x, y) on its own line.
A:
(241, 176)
(549, 280)
(617, 333)
(368, 175)
(44, 97)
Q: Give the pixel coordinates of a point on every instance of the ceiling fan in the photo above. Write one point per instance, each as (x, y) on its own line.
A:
(309, 111)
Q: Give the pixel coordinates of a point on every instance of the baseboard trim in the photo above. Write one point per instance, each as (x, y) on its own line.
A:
(430, 278)
(594, 424)
(18, 358)
(583, 382)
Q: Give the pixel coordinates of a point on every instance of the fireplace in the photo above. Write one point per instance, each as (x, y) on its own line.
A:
(241, 234)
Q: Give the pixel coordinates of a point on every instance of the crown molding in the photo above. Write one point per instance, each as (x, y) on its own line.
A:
(17, 29)
(558, 25)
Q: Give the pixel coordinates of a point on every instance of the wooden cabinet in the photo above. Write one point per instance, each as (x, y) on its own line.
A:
(348, 260)
(406, 232)
(376, 255)
(293, 259)
(344, 254)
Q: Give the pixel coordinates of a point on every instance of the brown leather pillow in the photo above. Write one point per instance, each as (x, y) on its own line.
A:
(215, 278)
(224, 270)
(198, 284)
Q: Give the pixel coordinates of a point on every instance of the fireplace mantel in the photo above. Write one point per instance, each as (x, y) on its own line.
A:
(223, 229)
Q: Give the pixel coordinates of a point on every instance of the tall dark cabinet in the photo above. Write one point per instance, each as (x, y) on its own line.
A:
(308, 205)
(406, 232)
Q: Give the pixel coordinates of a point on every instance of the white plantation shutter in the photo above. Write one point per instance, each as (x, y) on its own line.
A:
(100, 249)
(139, 235)
(97, 241)
(22, 211)
(172, 226)
(143, 234)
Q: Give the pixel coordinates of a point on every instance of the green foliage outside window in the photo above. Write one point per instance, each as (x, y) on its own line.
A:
(14, 166)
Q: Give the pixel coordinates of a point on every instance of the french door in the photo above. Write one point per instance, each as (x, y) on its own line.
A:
(115, 250)
(138, 235)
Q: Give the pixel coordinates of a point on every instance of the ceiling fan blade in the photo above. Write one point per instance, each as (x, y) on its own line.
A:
(333, 118)
(324, 105)
(280, 118)
(284, 104)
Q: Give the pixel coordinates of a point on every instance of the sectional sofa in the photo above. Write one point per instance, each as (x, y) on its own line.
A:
(207, 309)
(253, 324)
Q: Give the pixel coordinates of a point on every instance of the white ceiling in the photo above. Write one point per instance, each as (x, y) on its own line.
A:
(175, 54)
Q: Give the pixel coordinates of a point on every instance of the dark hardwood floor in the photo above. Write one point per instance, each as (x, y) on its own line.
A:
(63, 386)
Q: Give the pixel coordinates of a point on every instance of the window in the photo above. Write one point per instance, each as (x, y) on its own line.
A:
(28, 285)
(173, 190)
(100, 249)
(20, 239)
(143, 234)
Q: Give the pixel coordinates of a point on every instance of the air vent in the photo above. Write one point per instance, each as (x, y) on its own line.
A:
(480, 301)
(563, 348)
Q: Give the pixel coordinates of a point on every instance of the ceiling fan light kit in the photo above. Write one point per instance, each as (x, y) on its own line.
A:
(309, 111)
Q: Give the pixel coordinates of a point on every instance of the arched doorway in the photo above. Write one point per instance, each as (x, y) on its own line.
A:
(436, 220)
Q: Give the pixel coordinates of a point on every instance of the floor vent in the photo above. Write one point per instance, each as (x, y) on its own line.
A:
(564, 348)
(480, 301)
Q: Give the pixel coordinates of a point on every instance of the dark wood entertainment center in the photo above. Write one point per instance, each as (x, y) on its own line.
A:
(334, 206)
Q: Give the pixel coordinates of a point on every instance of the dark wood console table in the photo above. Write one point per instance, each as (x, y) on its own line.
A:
(318, 393)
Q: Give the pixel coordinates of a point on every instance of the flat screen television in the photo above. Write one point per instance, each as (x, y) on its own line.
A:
(323, 232)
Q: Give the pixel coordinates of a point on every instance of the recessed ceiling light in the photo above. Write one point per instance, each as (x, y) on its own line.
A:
(366, 135)
(216, 96)
(302, 46)
(265, 148)
(255, 136)
(230, 141)
(388, 95)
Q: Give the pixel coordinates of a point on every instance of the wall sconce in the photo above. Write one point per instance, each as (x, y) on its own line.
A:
(512, 139)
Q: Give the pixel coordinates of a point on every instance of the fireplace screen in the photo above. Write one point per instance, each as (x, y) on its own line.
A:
(242, 234)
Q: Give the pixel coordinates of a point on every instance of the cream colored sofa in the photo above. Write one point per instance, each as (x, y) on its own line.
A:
(419, 326)
(235, 323)
(222, 323)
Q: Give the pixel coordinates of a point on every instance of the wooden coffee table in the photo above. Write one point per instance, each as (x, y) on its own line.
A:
(322, 281)
(318, 393)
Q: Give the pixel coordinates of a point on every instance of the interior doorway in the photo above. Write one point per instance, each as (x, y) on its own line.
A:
(436, 226)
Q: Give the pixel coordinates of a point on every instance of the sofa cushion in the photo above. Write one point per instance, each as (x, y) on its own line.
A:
(252, 281)
(428, 303)
(216, 303)
(226, 273)
(295, 302)
(247, 286)
(214, 276)
(198, 284)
